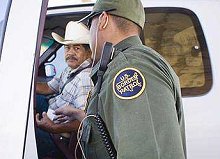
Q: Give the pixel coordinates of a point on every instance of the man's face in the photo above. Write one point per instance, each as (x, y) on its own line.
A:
(75, 55)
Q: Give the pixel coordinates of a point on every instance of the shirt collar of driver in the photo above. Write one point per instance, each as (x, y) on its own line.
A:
(83, 65)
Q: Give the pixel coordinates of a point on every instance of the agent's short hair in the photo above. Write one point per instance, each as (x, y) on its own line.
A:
(125, 25)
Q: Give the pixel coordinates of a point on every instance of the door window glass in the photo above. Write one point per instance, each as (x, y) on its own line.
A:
(45, 44)
(177, 35)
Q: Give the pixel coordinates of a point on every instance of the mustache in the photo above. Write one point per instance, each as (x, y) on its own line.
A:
(70, 57)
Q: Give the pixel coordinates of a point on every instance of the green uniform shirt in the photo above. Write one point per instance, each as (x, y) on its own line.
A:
(140, 103)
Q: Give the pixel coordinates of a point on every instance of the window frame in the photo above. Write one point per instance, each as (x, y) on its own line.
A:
(194, 91)
(30, 113)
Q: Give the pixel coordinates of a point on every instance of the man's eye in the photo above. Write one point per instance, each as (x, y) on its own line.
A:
(76, 48)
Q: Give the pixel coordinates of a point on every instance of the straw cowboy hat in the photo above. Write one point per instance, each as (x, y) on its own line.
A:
(76, 33)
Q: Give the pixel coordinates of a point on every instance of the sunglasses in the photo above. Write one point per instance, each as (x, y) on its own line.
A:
(95, 14)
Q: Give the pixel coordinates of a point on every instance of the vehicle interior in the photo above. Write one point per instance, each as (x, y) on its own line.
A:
(50, 49)
(175, 34)
(52, 63)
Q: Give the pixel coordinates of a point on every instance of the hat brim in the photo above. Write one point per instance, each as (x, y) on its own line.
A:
(61, 40)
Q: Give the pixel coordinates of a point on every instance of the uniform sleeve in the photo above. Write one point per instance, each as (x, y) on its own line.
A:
(145, 125)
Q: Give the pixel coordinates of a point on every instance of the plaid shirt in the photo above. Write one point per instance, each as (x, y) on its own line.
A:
(75, 92)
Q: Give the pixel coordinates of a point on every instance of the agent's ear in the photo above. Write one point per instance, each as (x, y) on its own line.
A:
(103, 21)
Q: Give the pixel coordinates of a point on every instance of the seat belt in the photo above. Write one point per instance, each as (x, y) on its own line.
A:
(71, 77)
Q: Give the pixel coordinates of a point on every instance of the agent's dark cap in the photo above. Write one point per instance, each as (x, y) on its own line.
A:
(132, 10)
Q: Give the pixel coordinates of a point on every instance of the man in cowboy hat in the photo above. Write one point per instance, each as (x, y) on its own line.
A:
(71, 88)
(140, 98)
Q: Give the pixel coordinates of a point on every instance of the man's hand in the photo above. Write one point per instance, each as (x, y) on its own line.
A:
(44, 123)
(69, 113)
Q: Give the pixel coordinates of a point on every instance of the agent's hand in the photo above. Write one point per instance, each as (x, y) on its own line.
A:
(69, 113)
(44, 123)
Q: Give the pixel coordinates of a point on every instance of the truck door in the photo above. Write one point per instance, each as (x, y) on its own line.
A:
(21, 28)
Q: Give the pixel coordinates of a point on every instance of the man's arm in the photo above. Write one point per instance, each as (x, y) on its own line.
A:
(46, 124)
(70, 112)
(43, 88)
(65, 127)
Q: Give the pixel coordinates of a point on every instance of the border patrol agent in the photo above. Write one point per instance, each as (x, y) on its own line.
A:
(139, 99)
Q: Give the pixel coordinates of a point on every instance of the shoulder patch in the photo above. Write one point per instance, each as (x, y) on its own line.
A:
(128, 83)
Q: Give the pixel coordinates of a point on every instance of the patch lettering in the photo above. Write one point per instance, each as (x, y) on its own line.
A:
(128, 83)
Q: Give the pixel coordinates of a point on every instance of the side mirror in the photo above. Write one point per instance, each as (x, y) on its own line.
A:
(50, 70)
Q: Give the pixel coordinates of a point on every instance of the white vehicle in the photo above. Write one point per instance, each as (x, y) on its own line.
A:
(185, 32)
